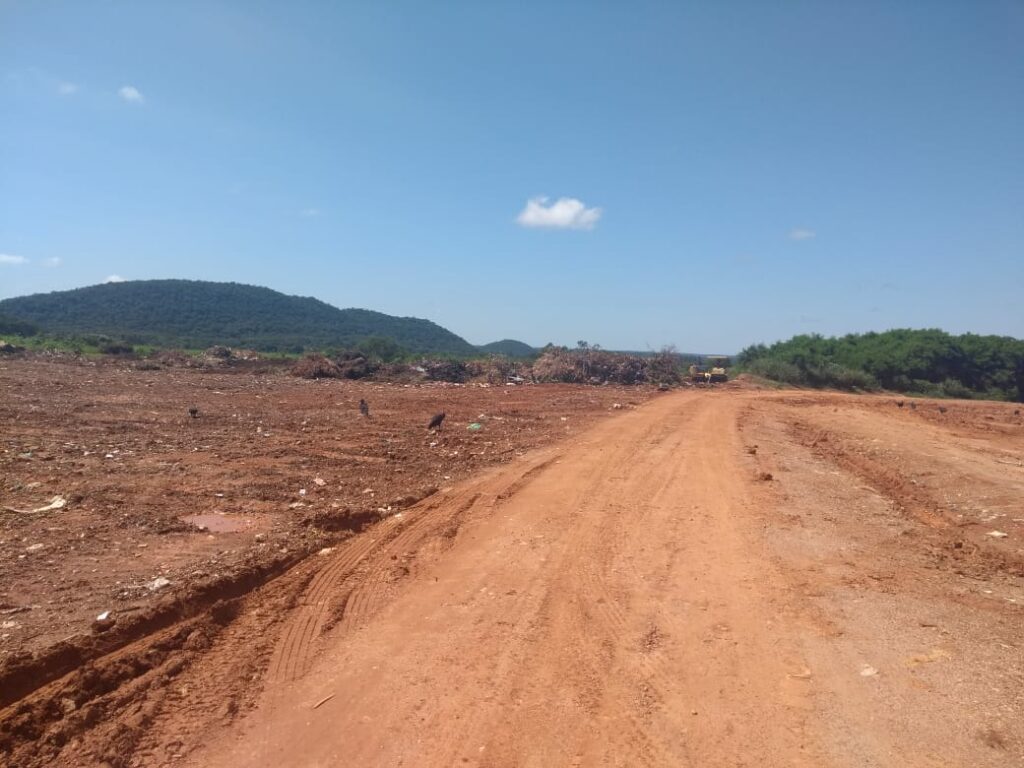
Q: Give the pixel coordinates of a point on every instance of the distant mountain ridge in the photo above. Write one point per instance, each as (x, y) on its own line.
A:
(509, 348)
(196, 314)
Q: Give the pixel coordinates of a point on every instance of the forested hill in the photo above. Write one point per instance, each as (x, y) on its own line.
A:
(195, 314)
(929, 362)
(509, 348)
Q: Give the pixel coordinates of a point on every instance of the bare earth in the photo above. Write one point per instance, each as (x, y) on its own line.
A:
(726, 577)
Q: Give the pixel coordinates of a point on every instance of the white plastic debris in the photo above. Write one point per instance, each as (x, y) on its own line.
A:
(158, 583)
(866, 670)
(997, 534)
(57, 502)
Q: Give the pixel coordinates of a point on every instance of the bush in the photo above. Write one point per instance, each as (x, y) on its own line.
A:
(380, 348)
(777, 370)
(839, 377)
(953, 388)
(117, 348)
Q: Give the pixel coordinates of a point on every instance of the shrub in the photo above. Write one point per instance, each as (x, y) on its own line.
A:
(777, 370)
(117, 348)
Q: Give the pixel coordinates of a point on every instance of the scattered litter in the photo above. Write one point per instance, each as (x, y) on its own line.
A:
(475, 426)
(997, 534)
(57, 502)
(34, 547)
(302, 491)
(617, 406)
(866, 670)
(325, 551)
(158, 583)
(323, 701)
(109, 456)
(368, 490)
(319, 481)
(103, 622)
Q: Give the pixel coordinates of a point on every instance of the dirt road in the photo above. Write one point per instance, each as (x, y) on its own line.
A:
(726, 577)
(641, 596)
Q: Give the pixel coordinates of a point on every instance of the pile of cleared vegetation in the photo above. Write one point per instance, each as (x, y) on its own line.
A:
(592, 365)
(583, 365)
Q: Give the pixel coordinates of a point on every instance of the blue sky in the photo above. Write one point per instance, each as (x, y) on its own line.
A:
(635, 174)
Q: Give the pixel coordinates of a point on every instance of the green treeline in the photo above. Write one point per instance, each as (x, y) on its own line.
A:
(928, 362)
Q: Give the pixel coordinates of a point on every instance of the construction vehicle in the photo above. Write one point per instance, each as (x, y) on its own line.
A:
(713, 373)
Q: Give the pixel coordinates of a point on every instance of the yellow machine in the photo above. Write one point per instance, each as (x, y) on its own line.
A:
(714, 373)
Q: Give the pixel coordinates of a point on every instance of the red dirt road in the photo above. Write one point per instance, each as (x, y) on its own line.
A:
(638, 597)
(725, 577)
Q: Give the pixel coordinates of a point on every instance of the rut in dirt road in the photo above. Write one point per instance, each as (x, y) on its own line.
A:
(610, 611)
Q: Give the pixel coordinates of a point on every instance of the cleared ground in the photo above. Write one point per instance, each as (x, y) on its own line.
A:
(716, 577)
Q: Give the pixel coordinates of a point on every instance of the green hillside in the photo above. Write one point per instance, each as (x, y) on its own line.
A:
(195, 314)
(508, 348)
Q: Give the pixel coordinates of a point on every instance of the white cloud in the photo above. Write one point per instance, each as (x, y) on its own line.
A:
(564, 213)
(67, 89)
(309, 213)
(130, 94)
(799, 233)
(52, 261)
(114, 279)
(8, 258)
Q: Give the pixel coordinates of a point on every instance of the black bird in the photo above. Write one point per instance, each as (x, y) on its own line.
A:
(899, 403)
(193, 412)
(942, 409)
(364, 408)
(435, 423)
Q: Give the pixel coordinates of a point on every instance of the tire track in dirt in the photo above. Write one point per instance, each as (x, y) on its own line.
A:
(951, 540)
(436, 518)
